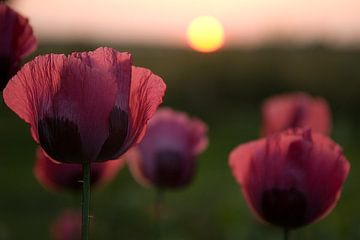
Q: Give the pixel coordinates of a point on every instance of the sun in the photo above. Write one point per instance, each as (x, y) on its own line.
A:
(205, 34)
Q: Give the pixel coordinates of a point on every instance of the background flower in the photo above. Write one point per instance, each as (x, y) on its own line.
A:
(56, 176)
(283, 177)
(166, 158)
(295, 110)
(16, 42)
(67, 226)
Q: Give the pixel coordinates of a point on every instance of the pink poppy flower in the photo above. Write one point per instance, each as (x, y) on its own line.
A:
(89, 106)
(290, 179)
(166, 158)
(295, 110)
(16, 42)
(56, 176)
(67, 226)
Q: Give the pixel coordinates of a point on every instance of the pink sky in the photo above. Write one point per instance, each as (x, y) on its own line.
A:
(246, 22)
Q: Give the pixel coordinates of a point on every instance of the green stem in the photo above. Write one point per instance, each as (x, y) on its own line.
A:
(286, 234)
(159, 200)
(158, 208)
(85, 201)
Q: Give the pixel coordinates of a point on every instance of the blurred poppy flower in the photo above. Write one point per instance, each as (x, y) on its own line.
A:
(166, 158)
(295, 110)
(85, 107)
(67, 226)
(65, 176)
(290, 179)
(16, 42)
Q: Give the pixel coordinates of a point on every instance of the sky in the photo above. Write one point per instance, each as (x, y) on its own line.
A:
(164, 22)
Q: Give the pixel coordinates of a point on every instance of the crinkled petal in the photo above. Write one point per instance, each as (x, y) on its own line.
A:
(64, 91)
(117, 64)
(147, 91)
(29, 94)
(87, 97)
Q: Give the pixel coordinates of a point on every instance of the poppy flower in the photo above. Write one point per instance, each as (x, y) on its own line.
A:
(67, 226)
(295, 110)
(166, 158)
(16, 42)
(56, 176)
(87, 106)
(283, 177)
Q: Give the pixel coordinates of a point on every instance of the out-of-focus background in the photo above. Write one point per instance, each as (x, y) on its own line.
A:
(267, 47)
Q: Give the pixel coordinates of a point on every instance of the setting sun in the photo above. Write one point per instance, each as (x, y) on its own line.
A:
(205, 34)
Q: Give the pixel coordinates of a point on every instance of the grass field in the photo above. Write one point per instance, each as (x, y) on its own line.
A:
(224, 89)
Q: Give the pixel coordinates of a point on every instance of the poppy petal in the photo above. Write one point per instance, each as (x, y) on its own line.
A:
(166, 157)
(55, 176)
(147, 91)
(16, 42)
(283, 176)
(295, 110)
(62, 88)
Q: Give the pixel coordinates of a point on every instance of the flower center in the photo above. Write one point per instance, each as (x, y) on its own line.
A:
(285, 208)
(118, 130)
(61, 140)
(168, 169)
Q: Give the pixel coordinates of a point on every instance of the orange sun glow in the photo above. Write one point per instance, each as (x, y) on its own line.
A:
(205, 34)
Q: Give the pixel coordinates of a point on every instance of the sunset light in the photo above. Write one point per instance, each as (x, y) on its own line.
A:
(152, 119)
(205, 34)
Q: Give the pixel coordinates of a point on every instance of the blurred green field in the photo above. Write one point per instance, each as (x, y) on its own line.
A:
(225, 89)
